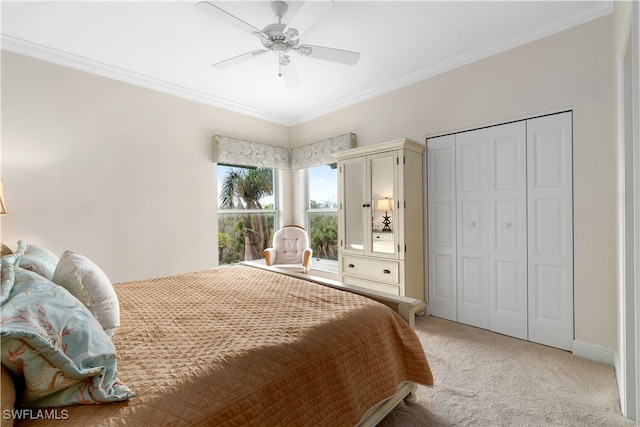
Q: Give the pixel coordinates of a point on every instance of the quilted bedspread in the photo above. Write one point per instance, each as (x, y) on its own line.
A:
(243, 346)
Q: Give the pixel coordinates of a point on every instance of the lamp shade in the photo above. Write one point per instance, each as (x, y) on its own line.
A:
(384, 205)
(3, 209)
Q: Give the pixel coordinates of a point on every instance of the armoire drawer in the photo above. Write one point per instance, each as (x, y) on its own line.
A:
(374, 269)
(376, 286)
(382, 236)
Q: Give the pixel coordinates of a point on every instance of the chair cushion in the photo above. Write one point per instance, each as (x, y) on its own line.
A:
(290, 243)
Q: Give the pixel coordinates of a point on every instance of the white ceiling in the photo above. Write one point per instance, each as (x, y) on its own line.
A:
(169, 46)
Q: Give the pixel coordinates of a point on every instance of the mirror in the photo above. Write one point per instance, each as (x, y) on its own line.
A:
(353, 209)
(382, 203)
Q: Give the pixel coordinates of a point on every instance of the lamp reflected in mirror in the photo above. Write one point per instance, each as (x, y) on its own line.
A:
(385, 205)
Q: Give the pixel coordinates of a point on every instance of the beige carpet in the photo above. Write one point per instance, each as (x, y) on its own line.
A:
(487, 379)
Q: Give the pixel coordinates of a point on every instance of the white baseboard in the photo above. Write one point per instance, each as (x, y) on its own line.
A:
(427, 312)
(594, 352)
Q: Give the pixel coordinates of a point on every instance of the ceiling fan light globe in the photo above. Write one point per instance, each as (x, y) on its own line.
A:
(304, 50)
(284, 60)
(291, 33)
(280, 48)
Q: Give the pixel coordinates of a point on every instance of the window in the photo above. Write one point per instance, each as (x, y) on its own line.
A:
(322, 212)
(246, 212)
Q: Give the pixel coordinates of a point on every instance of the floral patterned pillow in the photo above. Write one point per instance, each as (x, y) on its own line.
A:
(37, 259)
(87, 282)
(52, 342)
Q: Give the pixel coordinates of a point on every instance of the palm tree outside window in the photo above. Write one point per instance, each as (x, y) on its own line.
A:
(322, 212)
(246, 212)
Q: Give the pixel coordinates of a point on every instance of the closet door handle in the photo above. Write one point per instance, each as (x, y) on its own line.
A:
(385, 271)
(366, 205)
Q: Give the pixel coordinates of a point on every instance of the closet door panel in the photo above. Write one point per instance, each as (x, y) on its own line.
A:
(442, 237)
(470, 148)
(472, 179)
(472, 290)
(550, 288)
(508, 226)
(444, 215)
(443, 268)
(508, 294)
(472, 218)
(501, 228)
(508, 230)
(549, 227)
(442, 166)
(550, 230)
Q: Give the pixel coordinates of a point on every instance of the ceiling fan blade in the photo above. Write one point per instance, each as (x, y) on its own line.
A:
(225, 16)
(238, 59)
(308, 14)
(290, 75)
(347, 57)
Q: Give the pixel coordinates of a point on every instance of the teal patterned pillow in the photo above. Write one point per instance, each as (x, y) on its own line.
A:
(56, 346)
(37, 259)
(87, 282)
(9, 262)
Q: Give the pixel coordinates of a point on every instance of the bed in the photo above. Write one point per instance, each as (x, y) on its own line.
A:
(241, 345)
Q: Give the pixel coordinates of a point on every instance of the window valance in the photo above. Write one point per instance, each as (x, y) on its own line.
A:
(319, 153)
(234, 151)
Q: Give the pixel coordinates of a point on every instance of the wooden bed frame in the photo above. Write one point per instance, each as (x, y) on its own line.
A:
(406, 307)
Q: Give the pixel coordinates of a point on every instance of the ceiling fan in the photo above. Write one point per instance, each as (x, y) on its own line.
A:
(281, 39)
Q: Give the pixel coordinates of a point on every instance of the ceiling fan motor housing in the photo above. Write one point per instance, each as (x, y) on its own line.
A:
(275, 32)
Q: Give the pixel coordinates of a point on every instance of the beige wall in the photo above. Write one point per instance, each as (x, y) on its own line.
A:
(124, 174)
(119, 173)
(571, 69)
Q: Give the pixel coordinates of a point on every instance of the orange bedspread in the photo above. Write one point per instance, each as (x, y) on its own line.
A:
(244, 346)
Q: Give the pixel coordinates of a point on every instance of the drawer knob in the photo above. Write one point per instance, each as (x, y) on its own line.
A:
(351, 266)
(385, 271)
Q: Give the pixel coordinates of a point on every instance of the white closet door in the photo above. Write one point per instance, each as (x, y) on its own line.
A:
(508, 229)
(550, 230)
(472, 161)
(441, 214)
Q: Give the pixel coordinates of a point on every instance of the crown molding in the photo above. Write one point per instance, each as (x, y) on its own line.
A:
(66, 59)
(604, 8)
(38, 51)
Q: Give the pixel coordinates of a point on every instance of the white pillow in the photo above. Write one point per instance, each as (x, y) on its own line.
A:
(87, 282)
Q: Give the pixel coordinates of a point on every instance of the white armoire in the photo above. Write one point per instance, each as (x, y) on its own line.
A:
(500, 228)
(381, 217)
